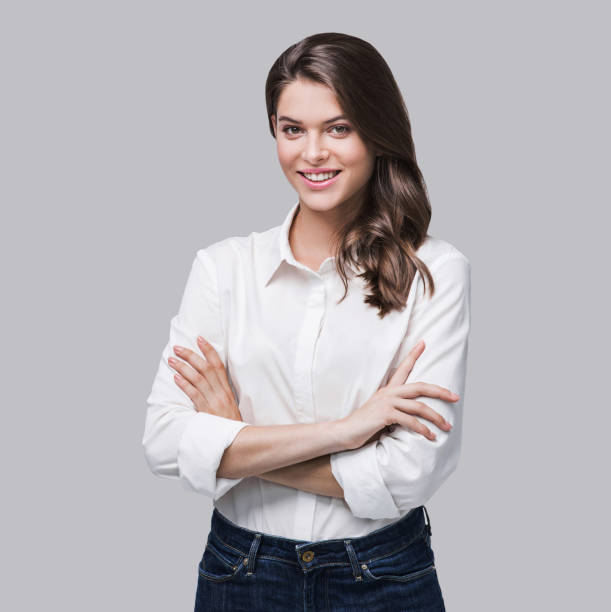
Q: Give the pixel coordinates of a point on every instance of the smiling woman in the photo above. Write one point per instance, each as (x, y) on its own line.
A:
(300, 414)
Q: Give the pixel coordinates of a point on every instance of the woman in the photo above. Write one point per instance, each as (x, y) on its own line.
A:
(283, 391)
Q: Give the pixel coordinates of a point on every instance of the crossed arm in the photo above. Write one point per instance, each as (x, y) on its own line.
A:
(313, 476)
(445, 319)
(397, 472)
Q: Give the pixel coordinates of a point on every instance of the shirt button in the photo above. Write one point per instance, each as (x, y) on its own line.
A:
(308, 555)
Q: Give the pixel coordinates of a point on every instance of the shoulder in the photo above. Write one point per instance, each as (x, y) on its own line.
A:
(450, 269)
(435, 251)
(235, 252)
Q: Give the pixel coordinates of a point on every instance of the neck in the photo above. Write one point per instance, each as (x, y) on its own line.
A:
(312, 232)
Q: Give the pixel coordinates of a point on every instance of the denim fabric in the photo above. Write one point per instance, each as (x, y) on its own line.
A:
(389, 569)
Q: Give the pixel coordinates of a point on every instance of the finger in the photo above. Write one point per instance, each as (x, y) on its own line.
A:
(414, 424)
(192, 393)
(212, 357)
(190, 374)
(405, 367)
(203, 375)
(415, 407)
(209, 351)
(417, 389)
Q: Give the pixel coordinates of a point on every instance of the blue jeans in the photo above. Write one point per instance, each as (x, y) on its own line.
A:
(389, 569)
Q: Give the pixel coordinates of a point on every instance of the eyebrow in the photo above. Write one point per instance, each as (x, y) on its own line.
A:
(285, 118)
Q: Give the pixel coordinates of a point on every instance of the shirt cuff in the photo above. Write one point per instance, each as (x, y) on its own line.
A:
(201, 449)
(365, 491)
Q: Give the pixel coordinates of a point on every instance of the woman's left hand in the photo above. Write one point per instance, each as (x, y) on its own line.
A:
(205, 380)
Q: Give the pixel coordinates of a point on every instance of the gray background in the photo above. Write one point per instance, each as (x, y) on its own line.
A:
(134, 133)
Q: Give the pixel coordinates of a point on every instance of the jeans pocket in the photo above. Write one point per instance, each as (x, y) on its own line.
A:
(220, 562)
(410, 563)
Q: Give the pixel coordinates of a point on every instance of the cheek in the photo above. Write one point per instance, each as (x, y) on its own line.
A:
(357, 156)
(286, 156)
(362, 168)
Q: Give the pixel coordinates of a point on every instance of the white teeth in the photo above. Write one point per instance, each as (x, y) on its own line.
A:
(321, 176)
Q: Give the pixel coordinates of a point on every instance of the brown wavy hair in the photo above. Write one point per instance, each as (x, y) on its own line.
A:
(392, 223)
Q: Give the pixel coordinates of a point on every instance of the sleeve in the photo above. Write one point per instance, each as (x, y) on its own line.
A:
(180, 442)
(402, 469)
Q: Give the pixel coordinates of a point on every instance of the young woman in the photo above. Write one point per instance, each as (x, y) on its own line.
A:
(291, 389)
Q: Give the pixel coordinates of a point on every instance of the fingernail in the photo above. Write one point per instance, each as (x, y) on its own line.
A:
(178, 349)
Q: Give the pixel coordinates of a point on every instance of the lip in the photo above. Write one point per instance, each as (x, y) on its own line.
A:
(319, 184)
(318, 170)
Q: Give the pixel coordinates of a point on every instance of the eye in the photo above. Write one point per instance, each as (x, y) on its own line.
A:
(345, 129)
(290, 127)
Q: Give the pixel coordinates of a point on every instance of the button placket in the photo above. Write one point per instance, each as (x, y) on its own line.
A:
(304, 392)
(304, 359)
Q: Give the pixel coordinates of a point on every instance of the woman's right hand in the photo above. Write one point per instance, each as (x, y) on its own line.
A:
(394, 404)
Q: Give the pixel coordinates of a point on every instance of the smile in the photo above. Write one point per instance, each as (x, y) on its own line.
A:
(320, 180)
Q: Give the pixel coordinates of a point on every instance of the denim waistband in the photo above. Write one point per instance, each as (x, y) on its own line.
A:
(345, 551)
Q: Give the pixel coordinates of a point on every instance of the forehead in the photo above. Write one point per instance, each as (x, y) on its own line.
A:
(308, 101)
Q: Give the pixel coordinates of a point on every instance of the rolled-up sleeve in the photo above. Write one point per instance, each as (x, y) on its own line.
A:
(180, 442)
(402, 470)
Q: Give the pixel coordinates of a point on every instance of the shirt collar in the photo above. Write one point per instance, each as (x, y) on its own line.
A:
(280, 248)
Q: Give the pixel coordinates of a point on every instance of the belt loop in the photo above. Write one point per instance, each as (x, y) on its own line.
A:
(428, 520)
(254, 547)
(356, 568)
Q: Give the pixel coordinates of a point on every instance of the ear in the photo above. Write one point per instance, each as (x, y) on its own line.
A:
(273, 119)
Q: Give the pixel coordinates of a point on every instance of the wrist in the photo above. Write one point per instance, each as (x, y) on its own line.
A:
(338, 431)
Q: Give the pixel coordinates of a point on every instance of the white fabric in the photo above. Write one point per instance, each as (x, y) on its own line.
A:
(294, 355)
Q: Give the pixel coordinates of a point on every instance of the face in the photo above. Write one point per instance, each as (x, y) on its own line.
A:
(310, 138)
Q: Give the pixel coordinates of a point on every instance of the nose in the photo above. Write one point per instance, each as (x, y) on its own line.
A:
(313, 152)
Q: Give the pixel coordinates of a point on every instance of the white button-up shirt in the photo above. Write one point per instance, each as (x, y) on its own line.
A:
(294, 355)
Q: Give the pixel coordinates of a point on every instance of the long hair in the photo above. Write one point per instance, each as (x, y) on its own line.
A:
(392, 223)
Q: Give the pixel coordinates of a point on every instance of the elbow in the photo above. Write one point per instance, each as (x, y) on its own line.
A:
(152, 457)
(162, 432)
(157, 460)
(423, 472)
(433, 479)
(152, 461)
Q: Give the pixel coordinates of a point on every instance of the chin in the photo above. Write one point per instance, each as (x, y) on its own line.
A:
(320, 204)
